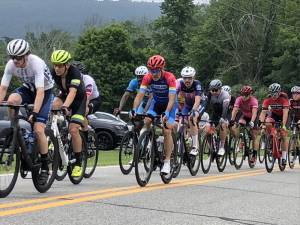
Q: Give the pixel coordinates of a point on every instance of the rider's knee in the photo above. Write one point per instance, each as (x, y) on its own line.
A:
(14, 99)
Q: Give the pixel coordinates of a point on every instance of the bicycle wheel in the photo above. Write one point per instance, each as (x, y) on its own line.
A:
(292, 151)
(239, 152)
(222, 160)
(269, 158)
(250, 154)
(144, 158)
(92, 154)
(193, 162)
(9, 162)
(127, 149)
(261, 149)
(62, 170)
(77, 180)
(180, 154)
(206, 153)
(166, 178)
(53, 158)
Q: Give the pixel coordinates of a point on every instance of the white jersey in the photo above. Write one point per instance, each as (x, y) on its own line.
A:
(36, 74)
(90, 86)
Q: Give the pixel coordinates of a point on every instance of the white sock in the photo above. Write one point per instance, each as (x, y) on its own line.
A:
(195, 140)
(222, 144)
(283, 154)
(167, 161)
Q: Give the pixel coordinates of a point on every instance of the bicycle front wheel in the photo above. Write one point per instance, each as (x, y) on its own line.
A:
(261, 149)
(92, 154)
(239, 152)
(9, 162)
(269, 157)
(126, 152)
(206, 154)
(292, 151)
(144, 158)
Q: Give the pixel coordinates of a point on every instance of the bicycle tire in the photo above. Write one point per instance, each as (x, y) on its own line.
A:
(231, 150)
(292, 151)
(8, 134)
(222, 160)
(260, 153)
(269, 158)
(124, 155)
(180, 154)
(92, 155)
(207, 142)
(240, 145)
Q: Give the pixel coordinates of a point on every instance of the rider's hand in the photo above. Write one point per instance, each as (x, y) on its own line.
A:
(132, 113)
(251, 124)
(222, 120)
(65, 110)
(193, 112)
(166, 116)
(117, 111)
(32, 118)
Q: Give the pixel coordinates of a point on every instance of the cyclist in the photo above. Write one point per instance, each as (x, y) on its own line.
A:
(163, 87)
(133, 87)
(248, 105)
(37, 89)
(191, 90)
(218, 101)
(278, 106)
(295, 108)
(231, 102)
(72, 100)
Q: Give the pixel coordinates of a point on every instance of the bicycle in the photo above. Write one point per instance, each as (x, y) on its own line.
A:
(21, 154)
(242, 147)
(273, 144)
(262, 147)
(148, 157)
(59, 126)
(184, 148)
(293, 150)
(209, 150)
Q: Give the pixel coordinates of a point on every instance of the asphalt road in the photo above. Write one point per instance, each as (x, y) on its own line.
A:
(247, 196)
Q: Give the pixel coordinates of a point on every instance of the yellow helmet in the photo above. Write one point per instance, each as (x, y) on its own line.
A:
(60, 57)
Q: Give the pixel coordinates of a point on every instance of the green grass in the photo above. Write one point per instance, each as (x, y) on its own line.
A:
(109, 158)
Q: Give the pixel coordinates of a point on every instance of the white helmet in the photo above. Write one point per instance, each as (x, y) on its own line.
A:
(227, 88)
(17, 47)
(274, 88)
(215, 84)
(295, 89)
(188, 71)
(141, 71)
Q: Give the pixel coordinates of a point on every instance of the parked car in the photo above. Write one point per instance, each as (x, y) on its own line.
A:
(109, 129)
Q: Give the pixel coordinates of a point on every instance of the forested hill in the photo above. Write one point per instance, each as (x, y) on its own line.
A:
(19, 16)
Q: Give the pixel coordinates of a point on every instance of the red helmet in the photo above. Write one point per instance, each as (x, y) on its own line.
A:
(246, 90)
(156, 62)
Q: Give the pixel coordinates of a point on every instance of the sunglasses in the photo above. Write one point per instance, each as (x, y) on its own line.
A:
(214, 90)
(275, 94)
(59, 66)
(155, 71)
(15, 57)
(295, 93)
(187, 78)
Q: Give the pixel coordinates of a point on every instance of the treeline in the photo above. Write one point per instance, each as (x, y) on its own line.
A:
(254, 42)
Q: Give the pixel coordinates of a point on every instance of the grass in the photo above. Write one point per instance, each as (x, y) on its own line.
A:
(109, 158)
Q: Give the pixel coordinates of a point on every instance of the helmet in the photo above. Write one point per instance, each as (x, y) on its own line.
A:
(188, 71)
(60, 57)
(295, 89)
(141, 71)
(156, 62)
(17, 47)
(80, 66)
(246, 90)
(227, 88)
(274, 88)
(215, 84)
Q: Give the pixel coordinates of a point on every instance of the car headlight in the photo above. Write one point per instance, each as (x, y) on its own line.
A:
(120, 127)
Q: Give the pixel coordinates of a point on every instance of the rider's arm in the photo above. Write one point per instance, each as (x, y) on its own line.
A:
(225, 108)
(3, 90)
(171, 102)
(124, 99)
(254, 114)
(138, 99)
(143, 88)
(234, 112)
(5, 81)
(39, 81)
(70, 97)
(262, 115)
(172, 92)
(148, 102)
(285, 116)
(197, 102)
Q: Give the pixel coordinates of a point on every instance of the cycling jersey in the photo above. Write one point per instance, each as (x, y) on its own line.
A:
(91, 88)
(133, 87)
(34, 75)
(73, 79)
(219, 105)
(189, 93)
(246, 106)
(295, 110)
(161, 88)
(275, 106)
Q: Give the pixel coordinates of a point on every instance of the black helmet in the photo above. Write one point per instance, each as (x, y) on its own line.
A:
(80, 66)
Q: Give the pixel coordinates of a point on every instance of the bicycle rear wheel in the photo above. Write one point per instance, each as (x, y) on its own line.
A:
(269, 157)
(53, 158)
(231, 150)
(126, 152)
(206, 154)
(9, 162)
(261, 149)
(92, 154)
(180, 155)
(292, 151)
(144, 158)
(222, 160)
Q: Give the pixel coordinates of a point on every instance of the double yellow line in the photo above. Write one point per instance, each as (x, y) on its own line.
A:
(14, 208)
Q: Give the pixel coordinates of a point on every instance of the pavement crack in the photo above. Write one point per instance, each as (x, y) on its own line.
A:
(228, 219)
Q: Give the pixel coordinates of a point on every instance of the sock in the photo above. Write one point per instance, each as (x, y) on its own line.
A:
(222, 144)
(283, 154)
(195, 140)
(78, 157)
(254, 152)
(44, 162)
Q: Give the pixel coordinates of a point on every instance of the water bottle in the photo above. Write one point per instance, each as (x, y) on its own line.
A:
(160, 143)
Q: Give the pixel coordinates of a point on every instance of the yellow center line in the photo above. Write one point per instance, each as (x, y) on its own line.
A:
(63, 197)
(126, 192)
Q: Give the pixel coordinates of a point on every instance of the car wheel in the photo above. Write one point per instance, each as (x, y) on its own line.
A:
(105, 140)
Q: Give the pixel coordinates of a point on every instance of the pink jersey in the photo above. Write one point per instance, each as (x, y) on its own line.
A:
(246, 106)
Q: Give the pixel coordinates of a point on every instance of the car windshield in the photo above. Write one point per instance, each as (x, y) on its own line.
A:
(105, 116)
